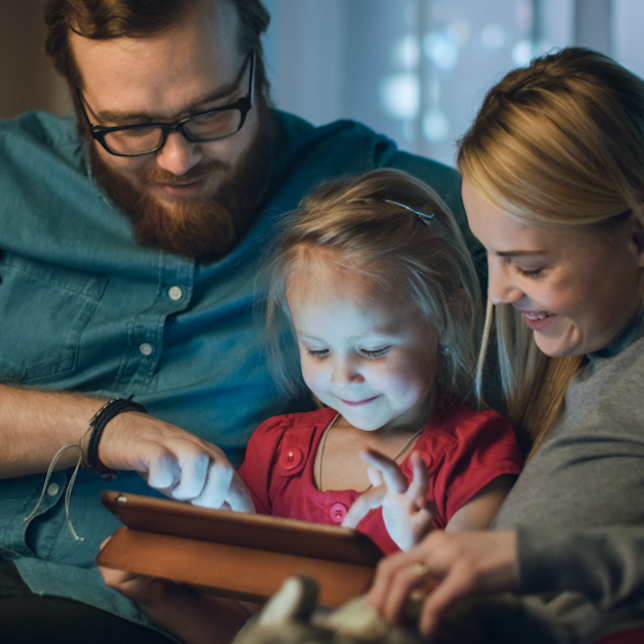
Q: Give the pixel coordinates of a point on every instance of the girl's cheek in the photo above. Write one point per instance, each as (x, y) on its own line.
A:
(316, 376)
(384, 377)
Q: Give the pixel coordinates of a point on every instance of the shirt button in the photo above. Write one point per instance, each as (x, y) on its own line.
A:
(52, 490)
(290, 458)
(175, 293)
(338, 512)
(145, 349)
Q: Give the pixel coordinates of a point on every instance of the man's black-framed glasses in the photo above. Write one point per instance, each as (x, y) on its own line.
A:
(203, 127)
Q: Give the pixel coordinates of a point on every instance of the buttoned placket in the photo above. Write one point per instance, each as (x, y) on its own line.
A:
(145, 336)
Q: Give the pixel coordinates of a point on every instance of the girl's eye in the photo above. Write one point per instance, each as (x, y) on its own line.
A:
(317, 353)
(374, 353)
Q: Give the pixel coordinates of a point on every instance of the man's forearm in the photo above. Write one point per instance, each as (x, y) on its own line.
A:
(34, 425)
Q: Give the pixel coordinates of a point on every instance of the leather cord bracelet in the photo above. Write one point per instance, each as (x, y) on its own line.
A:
(97, 424)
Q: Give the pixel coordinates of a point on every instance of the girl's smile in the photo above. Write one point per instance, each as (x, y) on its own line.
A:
(355, 403)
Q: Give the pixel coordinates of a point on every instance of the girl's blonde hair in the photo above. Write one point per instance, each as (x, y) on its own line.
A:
(369, 224)
(558, 143)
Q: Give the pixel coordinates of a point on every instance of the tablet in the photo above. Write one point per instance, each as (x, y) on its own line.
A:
(236, 554)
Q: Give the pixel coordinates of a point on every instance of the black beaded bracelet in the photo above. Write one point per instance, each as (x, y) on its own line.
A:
(98, 423)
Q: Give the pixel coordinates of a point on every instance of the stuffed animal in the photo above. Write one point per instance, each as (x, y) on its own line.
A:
(292, 617)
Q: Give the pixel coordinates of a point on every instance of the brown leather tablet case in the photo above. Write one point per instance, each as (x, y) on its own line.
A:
(234, 554)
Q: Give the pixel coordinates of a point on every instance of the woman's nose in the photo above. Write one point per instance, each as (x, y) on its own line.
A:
(502, 288)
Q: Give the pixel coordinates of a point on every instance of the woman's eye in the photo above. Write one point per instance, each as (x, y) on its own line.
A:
(374, 353)
(534, 273)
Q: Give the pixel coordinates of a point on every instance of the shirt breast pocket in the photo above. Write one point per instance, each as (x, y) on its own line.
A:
(43, 312)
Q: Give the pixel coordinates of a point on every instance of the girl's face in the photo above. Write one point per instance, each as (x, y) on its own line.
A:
(575, 288)
(365, 352)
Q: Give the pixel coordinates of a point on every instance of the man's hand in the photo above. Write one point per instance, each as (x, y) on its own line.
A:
(406, 512)
(136, 588)
(173, 461)
(445, 567)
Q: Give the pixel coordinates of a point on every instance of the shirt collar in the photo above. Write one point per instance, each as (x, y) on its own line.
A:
(632, 332)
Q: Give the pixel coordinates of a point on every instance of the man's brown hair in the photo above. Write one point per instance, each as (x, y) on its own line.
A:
(106, 19)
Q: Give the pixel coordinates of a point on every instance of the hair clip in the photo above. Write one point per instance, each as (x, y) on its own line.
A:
(424, 217)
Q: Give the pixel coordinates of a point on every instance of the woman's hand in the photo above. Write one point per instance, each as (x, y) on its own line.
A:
(443, 568)
(406, 512)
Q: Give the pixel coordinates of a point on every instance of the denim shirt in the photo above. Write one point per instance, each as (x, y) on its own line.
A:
(84, 308)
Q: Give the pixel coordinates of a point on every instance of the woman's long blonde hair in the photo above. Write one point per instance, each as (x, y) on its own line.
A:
(560, 142)
(369, 224)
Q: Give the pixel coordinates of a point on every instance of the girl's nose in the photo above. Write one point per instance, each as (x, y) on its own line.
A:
(502, 288)
(345, 372)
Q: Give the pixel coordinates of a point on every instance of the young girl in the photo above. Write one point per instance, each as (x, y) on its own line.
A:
(382, 298)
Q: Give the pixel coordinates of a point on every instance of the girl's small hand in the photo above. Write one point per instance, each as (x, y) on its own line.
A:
(406, 512)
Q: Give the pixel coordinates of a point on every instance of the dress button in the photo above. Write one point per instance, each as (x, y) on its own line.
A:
(52, 489)
(338, 512)
(290, 458)
(175, 293)
(145, 349)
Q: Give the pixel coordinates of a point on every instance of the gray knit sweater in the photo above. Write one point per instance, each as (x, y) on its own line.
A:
(589, 473)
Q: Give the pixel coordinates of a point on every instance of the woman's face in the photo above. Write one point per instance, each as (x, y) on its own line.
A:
(575, 287)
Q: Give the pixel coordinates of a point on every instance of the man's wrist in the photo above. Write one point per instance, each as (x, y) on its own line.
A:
(94, 432)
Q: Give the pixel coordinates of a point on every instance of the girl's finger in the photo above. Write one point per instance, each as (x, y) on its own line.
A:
(392, 475)
(419, 486)
(375, 476)
(370, 500)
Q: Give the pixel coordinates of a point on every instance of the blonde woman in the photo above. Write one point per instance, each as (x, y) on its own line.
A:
(553, 171)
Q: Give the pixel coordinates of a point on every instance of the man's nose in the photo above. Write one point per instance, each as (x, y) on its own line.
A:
(502, 288)
(179, 155)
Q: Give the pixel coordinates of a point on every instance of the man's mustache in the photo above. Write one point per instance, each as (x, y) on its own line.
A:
(198, 172)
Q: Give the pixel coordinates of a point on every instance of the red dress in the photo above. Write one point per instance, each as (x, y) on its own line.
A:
(463, 449)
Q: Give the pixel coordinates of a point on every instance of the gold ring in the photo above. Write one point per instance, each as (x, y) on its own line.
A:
(421, 569)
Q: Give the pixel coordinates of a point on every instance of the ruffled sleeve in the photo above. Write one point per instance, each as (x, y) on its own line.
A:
(464, 451)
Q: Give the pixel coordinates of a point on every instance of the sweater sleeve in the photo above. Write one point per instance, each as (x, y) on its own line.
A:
(606, 564)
